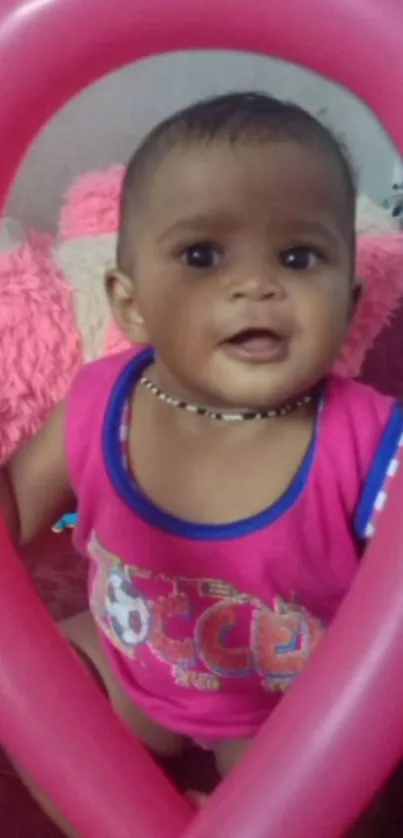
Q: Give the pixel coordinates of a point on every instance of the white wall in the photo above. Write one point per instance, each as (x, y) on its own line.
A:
(104, 124)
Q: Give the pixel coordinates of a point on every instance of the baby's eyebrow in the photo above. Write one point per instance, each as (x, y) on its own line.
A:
(330, 231)
(192, 224)
(204, 223)
(312, 227)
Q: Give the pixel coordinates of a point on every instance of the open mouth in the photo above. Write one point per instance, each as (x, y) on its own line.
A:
(259, 345)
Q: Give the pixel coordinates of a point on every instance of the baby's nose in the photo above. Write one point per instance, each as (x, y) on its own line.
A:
(262, 285)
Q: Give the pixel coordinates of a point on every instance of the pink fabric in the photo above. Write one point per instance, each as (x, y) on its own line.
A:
(91, 205)
(40, 346)
(380, 267)
(206, 634)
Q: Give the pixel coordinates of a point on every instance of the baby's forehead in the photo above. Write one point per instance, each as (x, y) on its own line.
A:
(278, 176)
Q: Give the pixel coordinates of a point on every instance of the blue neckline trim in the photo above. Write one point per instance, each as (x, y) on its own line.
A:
(143, 506)
(377, 474)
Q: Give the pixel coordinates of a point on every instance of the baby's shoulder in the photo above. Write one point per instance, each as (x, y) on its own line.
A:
(87, 404)
(354, 412)
(348, 394)
(361, 439)
(94, 376)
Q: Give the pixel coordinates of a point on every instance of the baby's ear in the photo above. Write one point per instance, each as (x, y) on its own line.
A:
(121, 291)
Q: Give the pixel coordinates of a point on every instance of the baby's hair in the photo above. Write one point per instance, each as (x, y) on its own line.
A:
(234, 118)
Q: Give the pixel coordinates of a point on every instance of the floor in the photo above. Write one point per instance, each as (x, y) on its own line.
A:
(58, 574)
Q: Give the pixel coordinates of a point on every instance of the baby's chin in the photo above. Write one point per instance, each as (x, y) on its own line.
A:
(260, 386)
(254, 389)
(246, 399)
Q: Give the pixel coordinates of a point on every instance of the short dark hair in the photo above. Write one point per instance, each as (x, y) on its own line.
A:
(235, 117)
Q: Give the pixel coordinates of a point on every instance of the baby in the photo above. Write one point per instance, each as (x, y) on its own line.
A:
(226, 481)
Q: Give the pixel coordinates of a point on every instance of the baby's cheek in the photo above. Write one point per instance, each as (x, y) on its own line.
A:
(324, 331)
(327, 307)
(329, 337)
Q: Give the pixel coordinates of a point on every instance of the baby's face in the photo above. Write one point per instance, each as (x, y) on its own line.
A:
(243, 270)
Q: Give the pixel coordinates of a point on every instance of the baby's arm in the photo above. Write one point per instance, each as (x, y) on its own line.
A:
(34, 485)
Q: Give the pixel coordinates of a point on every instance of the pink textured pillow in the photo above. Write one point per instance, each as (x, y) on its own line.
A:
(91, 208)
(40, 346)
(380, 267)
(92, 204)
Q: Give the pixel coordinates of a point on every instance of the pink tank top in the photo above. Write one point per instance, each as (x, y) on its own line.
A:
(207, 625)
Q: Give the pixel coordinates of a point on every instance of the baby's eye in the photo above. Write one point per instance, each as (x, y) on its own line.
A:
(201, 255)
(302, 258)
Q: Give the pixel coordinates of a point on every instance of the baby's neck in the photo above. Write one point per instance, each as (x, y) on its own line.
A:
(162, 385)
(211, 431)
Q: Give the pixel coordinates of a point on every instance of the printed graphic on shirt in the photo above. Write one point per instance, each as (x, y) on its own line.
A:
(203, 631)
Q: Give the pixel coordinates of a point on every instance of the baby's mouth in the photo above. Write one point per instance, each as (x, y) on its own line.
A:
(257, 346)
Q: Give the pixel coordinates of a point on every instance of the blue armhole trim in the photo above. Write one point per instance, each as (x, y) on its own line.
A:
(378, 472)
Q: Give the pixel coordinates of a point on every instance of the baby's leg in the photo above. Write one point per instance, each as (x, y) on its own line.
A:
(228, 753)
(82, 633)
(83, 636)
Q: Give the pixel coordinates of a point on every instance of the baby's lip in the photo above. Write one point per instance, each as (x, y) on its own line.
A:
(257, 345)
(261, 327)
(271, 331)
